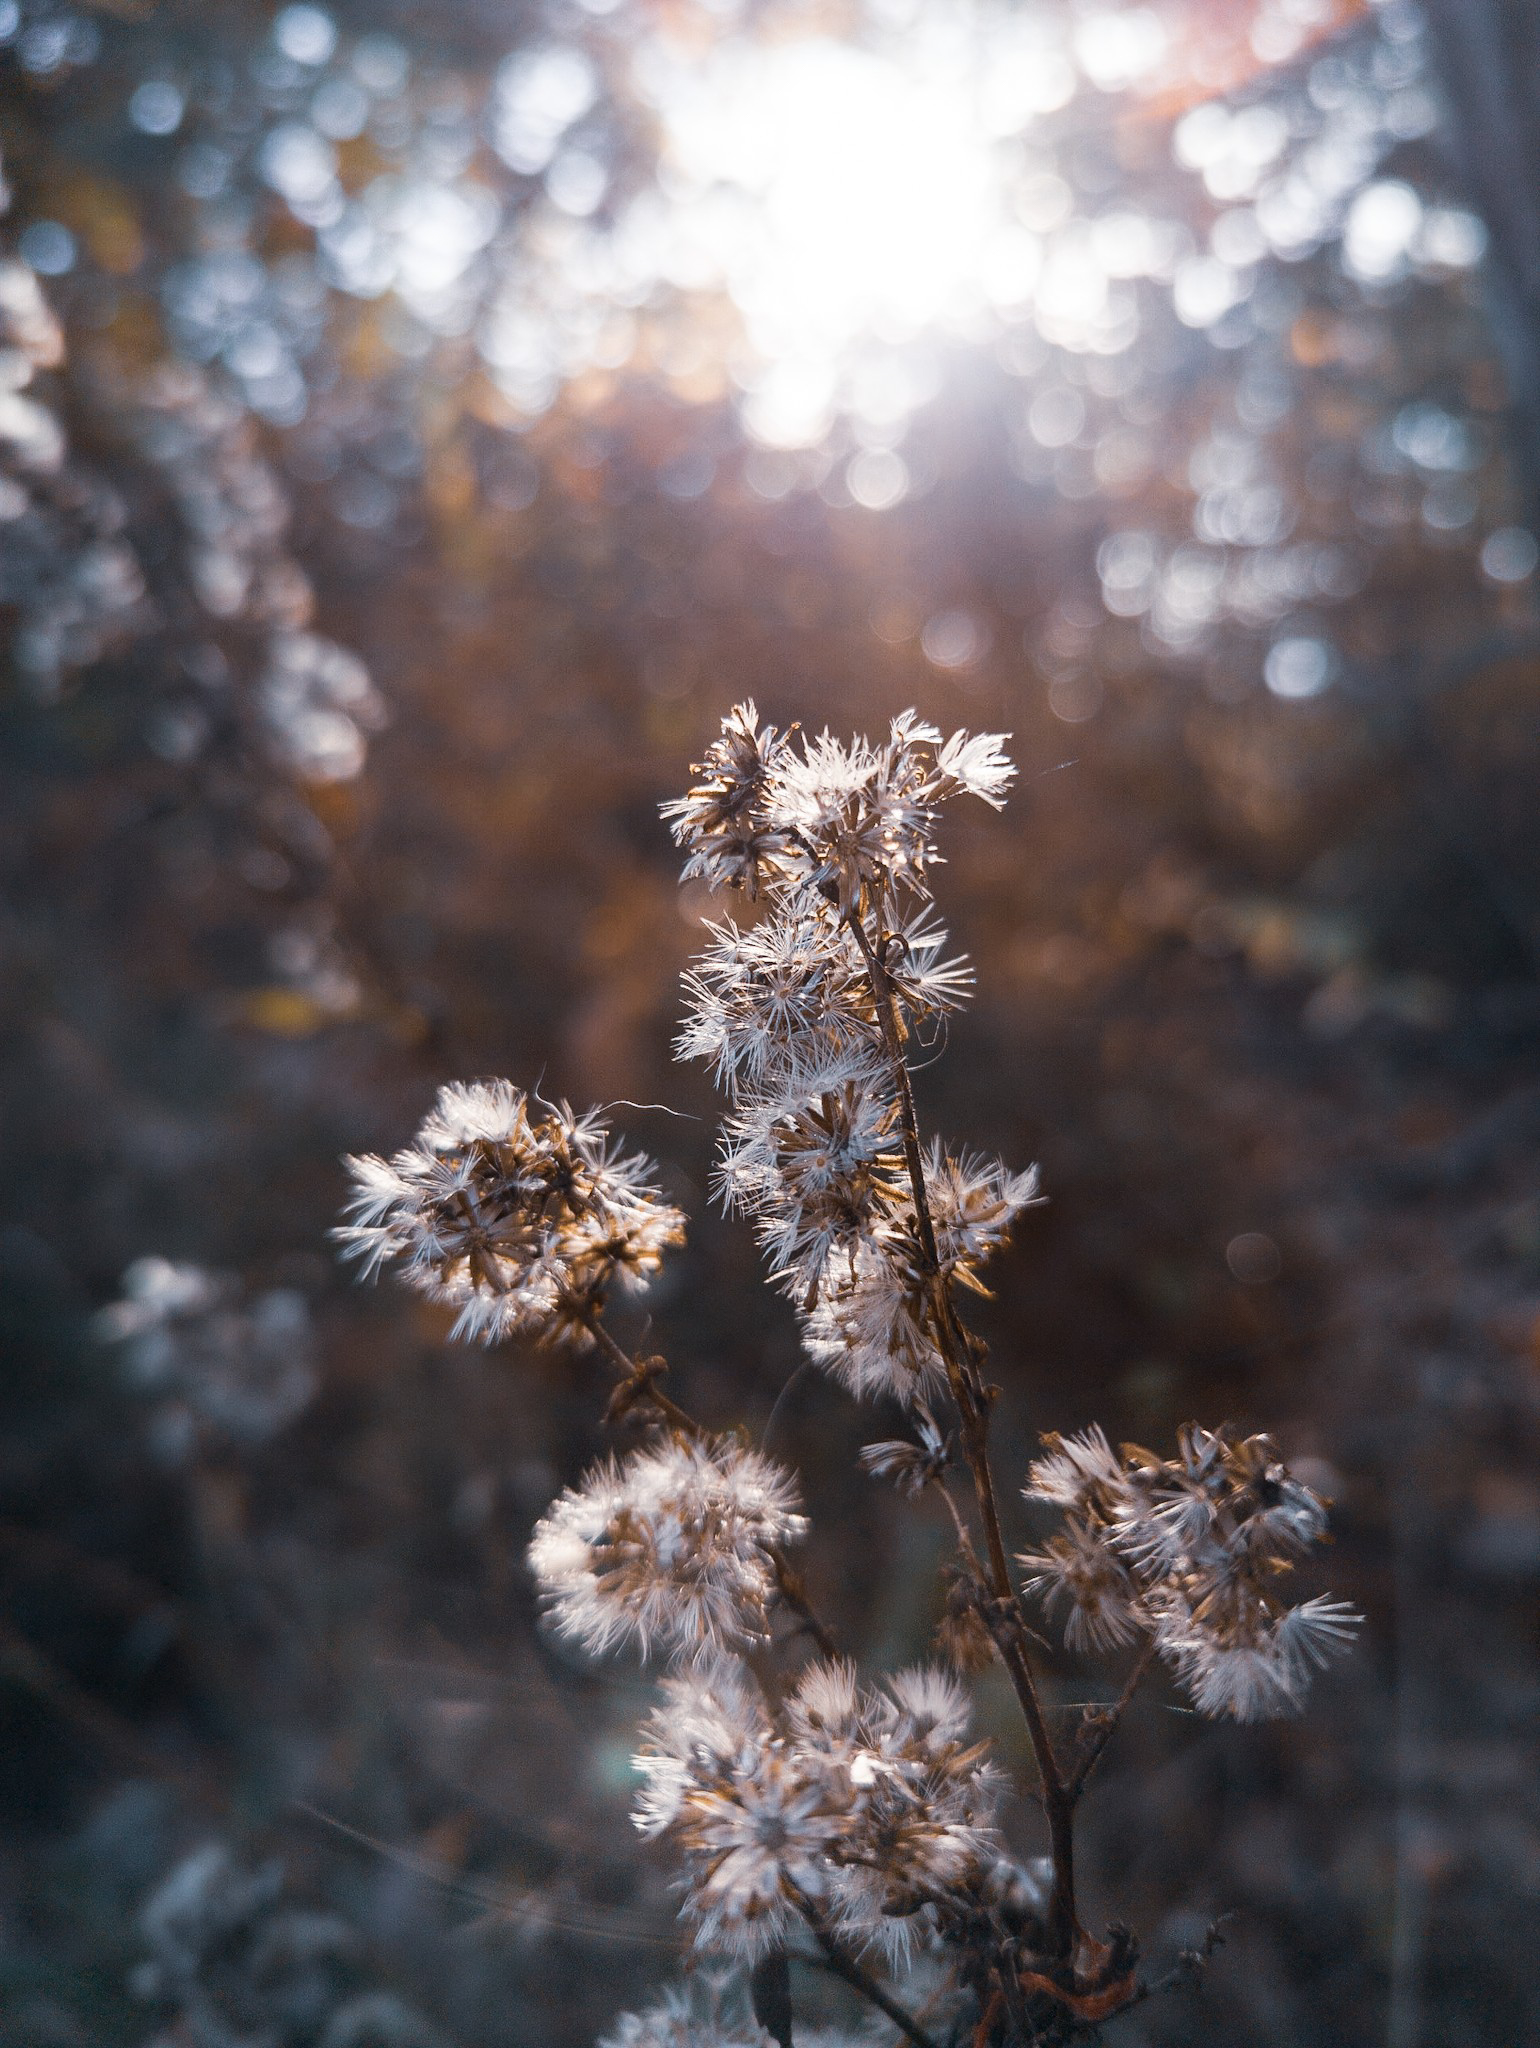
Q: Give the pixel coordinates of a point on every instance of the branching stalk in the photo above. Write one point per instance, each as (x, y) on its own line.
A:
(1101, 1723)
(973, 1400)
(642, 1375)
(794, 1593)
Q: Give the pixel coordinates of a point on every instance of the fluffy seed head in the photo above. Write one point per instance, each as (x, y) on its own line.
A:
(678, 2020)
(854, 822)
(870, 1327)
(1191, 1550)
(725, 824)
(861, 1801)
(1079, 1569)
(674, 1547)
(520, 1215)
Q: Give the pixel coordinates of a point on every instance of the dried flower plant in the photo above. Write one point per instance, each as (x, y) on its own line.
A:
(524, 1222)
(232, 1962)
(816, 1817)
(215, 1363)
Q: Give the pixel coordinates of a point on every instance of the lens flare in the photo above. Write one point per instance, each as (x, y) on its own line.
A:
(843, 195)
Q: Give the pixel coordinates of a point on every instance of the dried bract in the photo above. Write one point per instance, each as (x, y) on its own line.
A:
(974, 1201)
(818, 1164)
(1080, 1570)
(760, 994)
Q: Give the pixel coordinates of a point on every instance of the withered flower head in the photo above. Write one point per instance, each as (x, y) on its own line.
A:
(520, 1215)
(674, 1547)
(911, 1466)
(863, 1803)
(1192, 1550)
(724, 823)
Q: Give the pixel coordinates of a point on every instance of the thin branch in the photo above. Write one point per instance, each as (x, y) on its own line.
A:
(640, 1375)
(887, 1018)
(1187, 1972)
(859, 1978)
(964, 1534)
(1002, 1613)
(794, 1593)
(1101, 1723)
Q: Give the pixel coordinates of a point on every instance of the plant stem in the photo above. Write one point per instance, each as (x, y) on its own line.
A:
(887, 1018)
(630, 1369)
(859, 1978)
(964, 1535)
(770, 1993)
(973, 1400)
(794, 1594)
(1101, 1723)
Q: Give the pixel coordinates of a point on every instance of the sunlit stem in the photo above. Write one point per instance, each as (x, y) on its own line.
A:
(1001, 1612)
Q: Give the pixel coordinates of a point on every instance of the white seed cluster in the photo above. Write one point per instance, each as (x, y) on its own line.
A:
(679, 2021)
(706, 2014)
(1190, 1550)
(862, 1804)
(520, 1215)
(673, 1548)
(838, 841)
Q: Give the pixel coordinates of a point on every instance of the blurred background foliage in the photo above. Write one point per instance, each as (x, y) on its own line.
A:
(415, 429)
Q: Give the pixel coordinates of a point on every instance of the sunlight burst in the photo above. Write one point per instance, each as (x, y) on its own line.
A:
(845, 196)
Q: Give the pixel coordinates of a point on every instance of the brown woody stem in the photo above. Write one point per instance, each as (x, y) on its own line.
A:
(859, 1978)
(1101, 1723)
(973, 1399)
